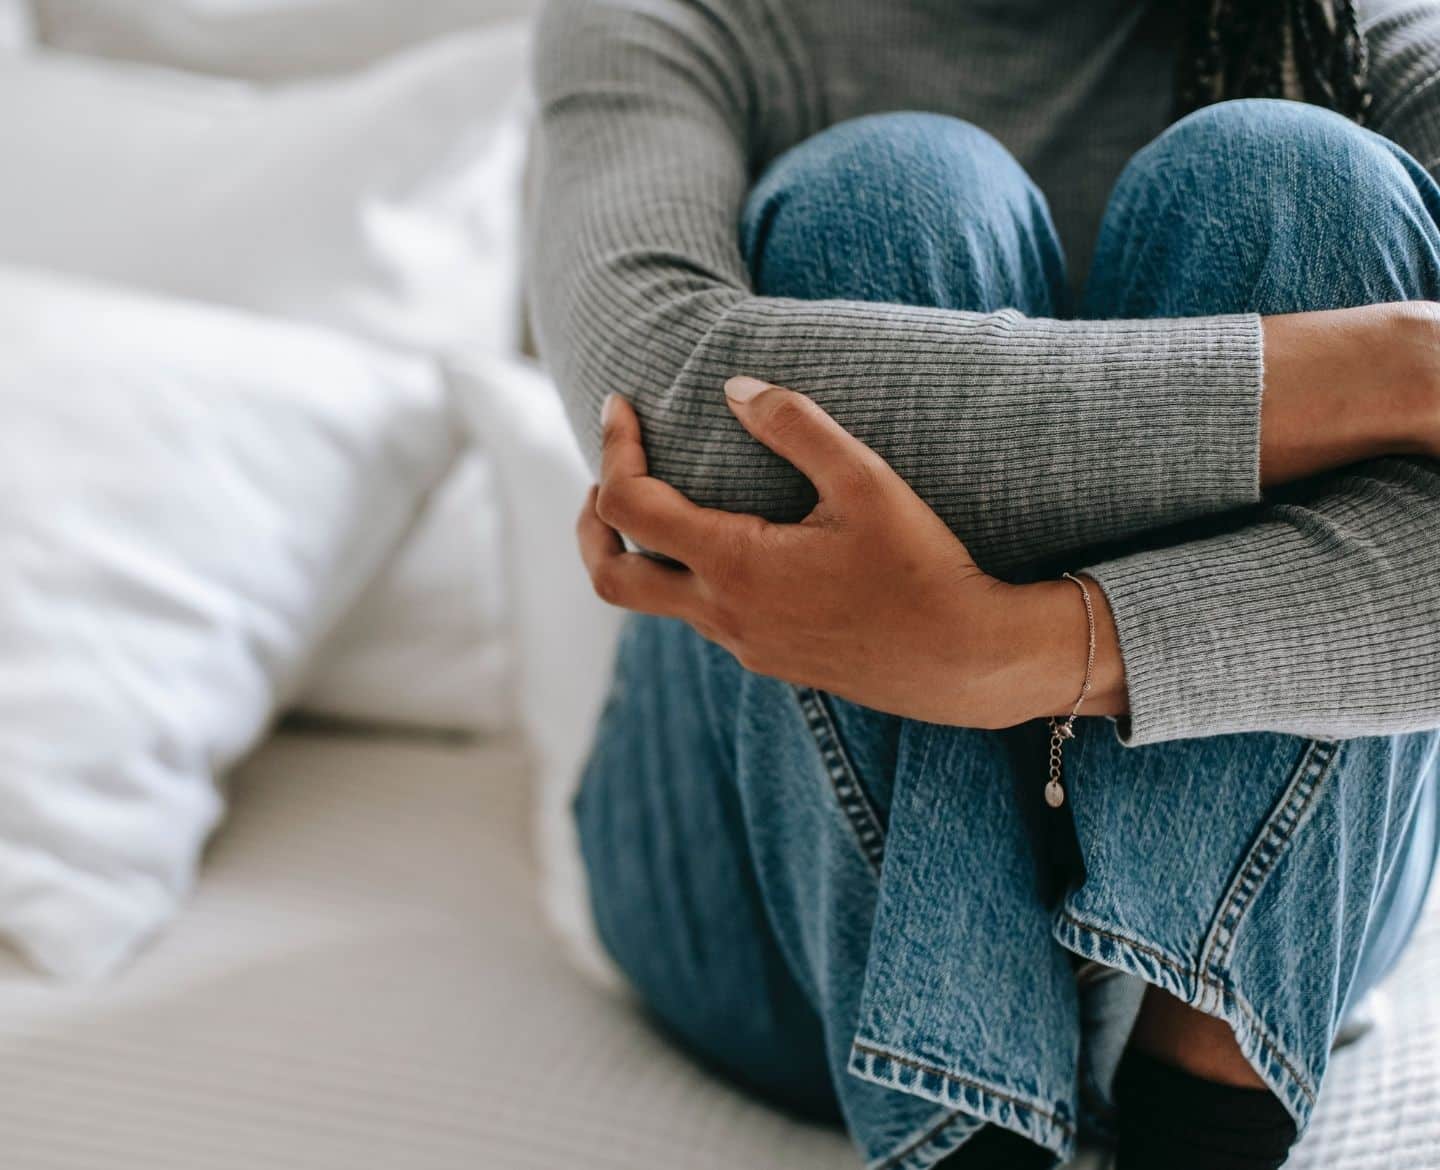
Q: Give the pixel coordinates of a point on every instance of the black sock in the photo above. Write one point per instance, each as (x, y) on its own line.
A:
(994, 1148)
(1171, 1120)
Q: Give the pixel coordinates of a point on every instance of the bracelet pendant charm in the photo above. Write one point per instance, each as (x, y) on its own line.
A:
(1060, 731)
(1063, 729)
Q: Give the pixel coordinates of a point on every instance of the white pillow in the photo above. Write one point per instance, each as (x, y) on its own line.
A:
(188, 499)
(384, 203)
(565, 637)
(263, 39)
(428, 644)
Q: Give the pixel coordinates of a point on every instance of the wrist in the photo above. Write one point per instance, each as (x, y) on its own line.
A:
(1054, 649)
(1345, 385)
(1413, 337)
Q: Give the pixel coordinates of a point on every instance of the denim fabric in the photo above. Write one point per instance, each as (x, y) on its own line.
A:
(873, 918)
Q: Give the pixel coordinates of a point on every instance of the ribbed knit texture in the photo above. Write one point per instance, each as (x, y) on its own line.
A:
(1031, 438)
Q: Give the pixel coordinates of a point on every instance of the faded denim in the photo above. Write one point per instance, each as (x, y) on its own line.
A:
(875, 919)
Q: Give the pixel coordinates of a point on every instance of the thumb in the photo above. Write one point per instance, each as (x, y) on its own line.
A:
(800, 432)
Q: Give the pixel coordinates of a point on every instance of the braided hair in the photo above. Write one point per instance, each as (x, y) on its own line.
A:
(1308, 50)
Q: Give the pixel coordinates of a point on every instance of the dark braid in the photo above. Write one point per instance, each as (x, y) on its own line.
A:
(1312, 50)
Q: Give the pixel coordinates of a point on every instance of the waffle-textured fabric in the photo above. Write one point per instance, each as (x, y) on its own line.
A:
(1033, 438)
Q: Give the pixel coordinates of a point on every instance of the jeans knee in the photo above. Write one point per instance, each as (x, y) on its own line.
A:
(909, 207)
(1300, 207)
(1288, 154)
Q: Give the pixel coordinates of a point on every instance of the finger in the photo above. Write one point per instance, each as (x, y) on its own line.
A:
(657, 517)
(799, 431)
(588, 530)
(647, 510)
(622, 452)
(631, 580)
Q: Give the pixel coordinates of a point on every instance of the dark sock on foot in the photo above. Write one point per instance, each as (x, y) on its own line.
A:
(1172, 1120)
(994, 1148)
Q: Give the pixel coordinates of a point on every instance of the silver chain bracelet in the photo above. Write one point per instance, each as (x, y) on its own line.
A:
(1063, 729)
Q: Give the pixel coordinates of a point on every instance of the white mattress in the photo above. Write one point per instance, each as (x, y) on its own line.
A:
(363, 981)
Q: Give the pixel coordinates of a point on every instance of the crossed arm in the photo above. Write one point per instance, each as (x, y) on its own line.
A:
(871, 597)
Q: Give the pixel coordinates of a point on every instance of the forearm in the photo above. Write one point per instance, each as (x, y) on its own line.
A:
(1028, 437)
(1341, 388)
(1321, 619)
(1324, 616)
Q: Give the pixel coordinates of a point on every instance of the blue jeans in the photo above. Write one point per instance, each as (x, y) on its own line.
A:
(871, 918)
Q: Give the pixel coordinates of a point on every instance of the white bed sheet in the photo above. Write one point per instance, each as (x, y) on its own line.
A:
(364, 982)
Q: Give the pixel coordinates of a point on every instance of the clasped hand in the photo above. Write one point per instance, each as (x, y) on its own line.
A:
(870, 597)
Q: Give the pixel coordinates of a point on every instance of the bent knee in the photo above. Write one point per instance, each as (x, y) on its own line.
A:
(1285, 156)
(922, 148)
(1272, 206)
(894, 207)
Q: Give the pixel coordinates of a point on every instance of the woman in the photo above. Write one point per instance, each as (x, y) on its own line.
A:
(1124, 294)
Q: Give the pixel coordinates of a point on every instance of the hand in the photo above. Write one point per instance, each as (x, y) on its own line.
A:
(870, 597)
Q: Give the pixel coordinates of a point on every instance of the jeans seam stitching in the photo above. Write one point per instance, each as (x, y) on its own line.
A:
(1272, 1044)
(928, 1135)
(1270, 844)
(851, 797)
(1179, 966)
(965, 1082)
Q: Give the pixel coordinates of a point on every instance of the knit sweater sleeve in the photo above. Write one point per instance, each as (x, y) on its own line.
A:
(1323, 616)
(1027, 436)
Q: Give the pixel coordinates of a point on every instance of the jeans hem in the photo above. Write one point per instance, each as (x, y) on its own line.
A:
(1210, 985)
(1215, 996)
(979, 1101)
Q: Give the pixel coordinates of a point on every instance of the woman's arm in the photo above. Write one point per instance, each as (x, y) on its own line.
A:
(1323, 616)
(1028, 436)
(872, 598)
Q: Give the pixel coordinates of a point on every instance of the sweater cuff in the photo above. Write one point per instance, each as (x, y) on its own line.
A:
(1167, 648)
(1235, 633)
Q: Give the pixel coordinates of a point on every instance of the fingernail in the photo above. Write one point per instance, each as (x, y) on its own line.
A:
(744, 389)
(607, 409)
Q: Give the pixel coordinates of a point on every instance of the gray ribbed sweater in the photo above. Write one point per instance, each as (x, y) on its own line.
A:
(1030, 437)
